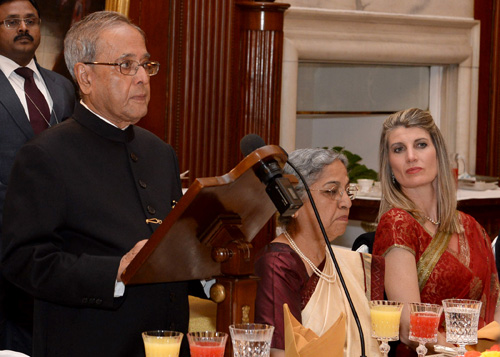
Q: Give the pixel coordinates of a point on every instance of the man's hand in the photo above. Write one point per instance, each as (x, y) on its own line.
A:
(127, 258)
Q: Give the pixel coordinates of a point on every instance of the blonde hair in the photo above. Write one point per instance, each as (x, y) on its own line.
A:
(392, 194)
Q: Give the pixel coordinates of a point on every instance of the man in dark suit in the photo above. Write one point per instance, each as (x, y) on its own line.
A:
(83, 198)
(19, 38)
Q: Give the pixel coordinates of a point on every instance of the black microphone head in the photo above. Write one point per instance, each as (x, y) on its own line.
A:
(250, 143)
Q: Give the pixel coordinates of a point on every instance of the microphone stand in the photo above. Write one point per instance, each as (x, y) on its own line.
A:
(337, 267)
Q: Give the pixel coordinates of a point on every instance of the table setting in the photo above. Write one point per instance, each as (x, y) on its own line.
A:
(252, 340)
(461, 320)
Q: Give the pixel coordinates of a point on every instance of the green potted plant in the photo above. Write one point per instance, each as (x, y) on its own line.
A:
(354, 168)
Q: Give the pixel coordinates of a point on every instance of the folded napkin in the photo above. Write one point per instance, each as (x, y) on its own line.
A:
(202, 314)
(486, 337)
(303, 342)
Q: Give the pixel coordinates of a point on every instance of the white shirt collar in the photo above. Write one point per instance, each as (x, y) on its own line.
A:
(8, 66)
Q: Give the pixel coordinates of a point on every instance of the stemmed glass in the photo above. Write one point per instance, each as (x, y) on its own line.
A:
(251, 340)
(424, 322)
(385, 316)
(462, 318)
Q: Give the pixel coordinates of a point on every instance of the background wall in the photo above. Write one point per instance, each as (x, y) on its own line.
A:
(454, 8)
(360, 134)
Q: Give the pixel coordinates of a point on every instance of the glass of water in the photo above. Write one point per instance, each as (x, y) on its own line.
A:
(462, 318)
(251, 340)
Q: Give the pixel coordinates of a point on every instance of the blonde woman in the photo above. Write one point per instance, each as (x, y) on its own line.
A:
(432, 251)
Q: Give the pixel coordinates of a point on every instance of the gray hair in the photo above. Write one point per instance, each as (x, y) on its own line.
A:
(310, 163)
(80, 44)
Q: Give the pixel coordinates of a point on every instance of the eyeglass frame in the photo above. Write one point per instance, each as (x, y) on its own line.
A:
(19, 20)
(352, 191)
(122, 63)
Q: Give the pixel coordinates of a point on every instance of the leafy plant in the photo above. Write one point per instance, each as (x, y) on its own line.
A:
(354, 168)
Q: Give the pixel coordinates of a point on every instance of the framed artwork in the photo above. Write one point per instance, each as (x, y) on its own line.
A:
(57, 17)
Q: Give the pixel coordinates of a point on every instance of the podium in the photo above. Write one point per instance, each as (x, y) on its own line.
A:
(208, 234)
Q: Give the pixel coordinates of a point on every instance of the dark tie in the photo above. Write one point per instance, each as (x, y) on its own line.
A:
(37, 105)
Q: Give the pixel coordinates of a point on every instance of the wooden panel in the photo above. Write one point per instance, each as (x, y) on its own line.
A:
(260, 63)
(220, 77)
(488, 134)
(157, 31)
(239, 305)
(200, 103)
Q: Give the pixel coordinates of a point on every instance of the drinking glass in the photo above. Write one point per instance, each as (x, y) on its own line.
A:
(424, 322)
(462, 317)
(385, 316)
(207, 343)
(162, 343)
(251, 340)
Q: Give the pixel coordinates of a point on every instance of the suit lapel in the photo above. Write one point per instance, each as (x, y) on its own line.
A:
(10, 101)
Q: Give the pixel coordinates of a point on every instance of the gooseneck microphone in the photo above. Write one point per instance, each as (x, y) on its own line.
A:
(269, 173)
(278, 188)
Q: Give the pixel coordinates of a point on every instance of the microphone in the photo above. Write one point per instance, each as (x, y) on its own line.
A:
(278, 188)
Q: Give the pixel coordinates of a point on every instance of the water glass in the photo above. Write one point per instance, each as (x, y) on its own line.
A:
(162, 343)
(207, 343)
(251, 340)
(462, 318)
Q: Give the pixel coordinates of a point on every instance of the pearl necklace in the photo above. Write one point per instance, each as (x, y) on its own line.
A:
(328, 278)
(436, 223)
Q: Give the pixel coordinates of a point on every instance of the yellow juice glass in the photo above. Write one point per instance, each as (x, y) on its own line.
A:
(385, 321)
(385, 316)
(161, 343)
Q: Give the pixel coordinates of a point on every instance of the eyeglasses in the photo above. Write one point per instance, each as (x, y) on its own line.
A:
(15, 22)
(336, 194)
(130, 68)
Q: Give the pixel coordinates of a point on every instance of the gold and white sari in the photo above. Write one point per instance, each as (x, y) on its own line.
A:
(328, 301)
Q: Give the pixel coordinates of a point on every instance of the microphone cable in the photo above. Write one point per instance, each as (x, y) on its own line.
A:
(332, 255)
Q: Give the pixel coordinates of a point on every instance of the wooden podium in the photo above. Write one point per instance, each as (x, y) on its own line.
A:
(208, 234)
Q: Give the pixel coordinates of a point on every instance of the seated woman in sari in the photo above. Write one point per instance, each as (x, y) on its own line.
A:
(432, 251)
(296, 269)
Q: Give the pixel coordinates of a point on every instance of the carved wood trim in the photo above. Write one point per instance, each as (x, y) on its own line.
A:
(199, 98)
(260, 55)
(121, 6)
(494, 168)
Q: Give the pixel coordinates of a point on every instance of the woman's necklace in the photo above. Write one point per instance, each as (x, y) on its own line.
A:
(328, 278)
(436, 223)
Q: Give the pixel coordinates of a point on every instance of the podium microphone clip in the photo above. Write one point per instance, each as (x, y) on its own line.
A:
(278, 188)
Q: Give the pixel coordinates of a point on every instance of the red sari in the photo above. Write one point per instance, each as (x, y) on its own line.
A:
(443, 274)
